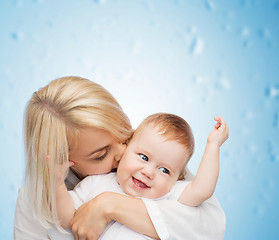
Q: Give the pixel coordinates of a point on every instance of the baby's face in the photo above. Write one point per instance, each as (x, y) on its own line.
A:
(150, 165)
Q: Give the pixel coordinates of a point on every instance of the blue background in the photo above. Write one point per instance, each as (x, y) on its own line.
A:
(193, 58)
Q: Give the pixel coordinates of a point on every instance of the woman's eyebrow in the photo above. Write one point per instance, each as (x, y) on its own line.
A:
(98, 150)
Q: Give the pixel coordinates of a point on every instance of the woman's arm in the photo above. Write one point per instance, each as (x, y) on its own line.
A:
(91, 218)
(174, 220)
(171, 219)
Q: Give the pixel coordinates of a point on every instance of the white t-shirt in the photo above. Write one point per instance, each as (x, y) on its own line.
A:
(171, 219)
(92, 186)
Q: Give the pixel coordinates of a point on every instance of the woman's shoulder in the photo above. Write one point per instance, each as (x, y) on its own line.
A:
(100, 178)
(25, 225)
(94, 182)
(22, 196)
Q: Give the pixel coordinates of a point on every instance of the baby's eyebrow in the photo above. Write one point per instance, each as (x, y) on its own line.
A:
(145, 151)
(98, 150)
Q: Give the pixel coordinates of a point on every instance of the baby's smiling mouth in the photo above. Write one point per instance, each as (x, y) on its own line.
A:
(139, 184)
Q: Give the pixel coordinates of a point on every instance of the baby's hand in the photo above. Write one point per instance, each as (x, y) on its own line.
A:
(60, 172)
(220, 133)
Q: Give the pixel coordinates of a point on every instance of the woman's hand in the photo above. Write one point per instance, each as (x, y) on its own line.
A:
(92, 218)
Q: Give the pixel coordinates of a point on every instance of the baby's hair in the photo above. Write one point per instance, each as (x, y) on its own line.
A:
(173, 128)
(53, 119)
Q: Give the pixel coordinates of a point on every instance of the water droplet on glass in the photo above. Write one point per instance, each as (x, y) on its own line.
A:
(228, 198)
(100, 1)
(12, 187)
(248, 115)
(226, 28)
(259, 210)
(272, 91)
(236, 176)
(249, 3)
(221, 84)
(197, 79)
(197, 47)
(268, 184)
(255, 160)
(271, 152)
(137, 47)
(225, 84)
(244, 131)
(275, 120)
(245, 32)
(191, 30)
(247, 43)
(209, 5)
(39, 1)
(16, 36)
(178, 2)
(19, 3)
(264, 33)
(231, 15)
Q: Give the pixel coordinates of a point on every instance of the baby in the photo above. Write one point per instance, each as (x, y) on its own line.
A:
(154, 161)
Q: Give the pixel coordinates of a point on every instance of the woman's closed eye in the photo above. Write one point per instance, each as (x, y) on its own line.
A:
(102, 156)
(164, 170)
(143, 157)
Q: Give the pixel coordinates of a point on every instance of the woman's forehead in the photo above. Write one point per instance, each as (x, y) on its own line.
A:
(90, 139)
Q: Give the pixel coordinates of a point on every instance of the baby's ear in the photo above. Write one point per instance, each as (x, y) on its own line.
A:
(182, 175)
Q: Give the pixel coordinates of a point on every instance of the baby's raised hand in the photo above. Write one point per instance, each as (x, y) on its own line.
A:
(220, 133)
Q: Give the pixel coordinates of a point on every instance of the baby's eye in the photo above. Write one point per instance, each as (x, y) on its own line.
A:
(143, 157)
(164, 170)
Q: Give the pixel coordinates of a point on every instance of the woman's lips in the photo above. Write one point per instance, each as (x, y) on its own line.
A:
(139, 184)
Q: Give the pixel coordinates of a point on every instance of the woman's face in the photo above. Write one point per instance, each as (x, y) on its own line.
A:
(95, 152)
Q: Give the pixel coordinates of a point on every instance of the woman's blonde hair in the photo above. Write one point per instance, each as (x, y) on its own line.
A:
(54, 116)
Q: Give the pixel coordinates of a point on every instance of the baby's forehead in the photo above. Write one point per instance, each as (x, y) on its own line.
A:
(150, 130)
(150, 127)
(153, 140)
(154, 135)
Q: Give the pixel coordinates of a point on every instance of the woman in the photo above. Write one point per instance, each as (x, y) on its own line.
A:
(75, 119)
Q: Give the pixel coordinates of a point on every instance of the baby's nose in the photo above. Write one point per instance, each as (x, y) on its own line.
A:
(148, 171)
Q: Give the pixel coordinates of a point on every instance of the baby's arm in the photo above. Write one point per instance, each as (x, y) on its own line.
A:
(203, 185)
(64, 202)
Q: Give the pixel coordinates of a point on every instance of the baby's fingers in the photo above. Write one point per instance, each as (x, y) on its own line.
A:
(217, 119)
(220, 122)
(224, 127)
(217, 125)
